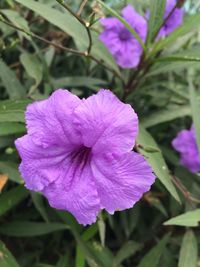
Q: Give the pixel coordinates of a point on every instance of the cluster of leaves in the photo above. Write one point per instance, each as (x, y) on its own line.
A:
(44, 46)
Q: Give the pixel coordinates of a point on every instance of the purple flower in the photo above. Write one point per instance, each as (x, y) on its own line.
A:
(175, 20)
(185, 143)
(78, 153)
(120, 42)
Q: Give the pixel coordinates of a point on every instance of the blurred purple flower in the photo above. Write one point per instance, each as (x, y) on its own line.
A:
(185, 143)
(175, 20)
(120, 42)
(78, 154)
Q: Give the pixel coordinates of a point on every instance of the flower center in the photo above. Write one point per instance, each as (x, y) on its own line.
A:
(81, 156)
(124, 35)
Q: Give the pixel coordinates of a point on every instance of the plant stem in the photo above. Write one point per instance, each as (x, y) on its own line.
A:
(85, 24)
(69, 50)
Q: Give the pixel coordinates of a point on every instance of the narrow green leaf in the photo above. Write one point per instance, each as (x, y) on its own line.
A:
(28, 229)
(127, 250)
(11, 169)
(6, 258)
(152, 258)
(175, 66)
(17, 20)
(157, 10)
(191, 23)
(12, 84)
(13, 110)
(123, 21)
(102, 229)
(90, 256)
(80, 257)
(195, 107)
(7, 128)
(168, 114)
(189, 251)
(190, 218)
(39, 205)
(63, 261)
(33, 67)
(66, 22)
(78, 81)
(10, 199)
(178, 58)
(156, 161)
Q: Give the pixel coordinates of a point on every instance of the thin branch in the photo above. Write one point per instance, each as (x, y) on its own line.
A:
(31, 34)
(145, 64)
(184, 191)
(85, 24)
(69, 50)
(166, 19)
(83, 4)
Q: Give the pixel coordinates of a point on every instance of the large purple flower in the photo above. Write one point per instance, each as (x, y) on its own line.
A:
(120, 42)
(174, 21)
(78, 153)
(185, 143)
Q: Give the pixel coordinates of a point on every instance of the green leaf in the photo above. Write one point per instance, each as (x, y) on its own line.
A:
(66, 22)
(11, 169)
(7, 128)
(17, 20)
(168, 114)
(152, 258)
(13, 110)
(156, 161)
(189, 251)
(90, 254)
(182, 58)
(102, 229)
(10, 199)
(80, 258)
(191, 23)
(123, 21)
(157, 10)
(175, 66)
(33, 67)
(195, 107)
(6, 258)
(127, 250)
(190, 218)
(103, 255)
(39, 205)
(28, 229)
(78, 81)
(12, 84)
(63, 261)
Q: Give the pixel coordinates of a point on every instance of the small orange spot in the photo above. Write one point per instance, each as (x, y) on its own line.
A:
(3, 181)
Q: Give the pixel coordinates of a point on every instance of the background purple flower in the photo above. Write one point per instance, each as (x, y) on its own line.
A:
(120, 42)
(78, 153)
(175, 20)
(185, 143)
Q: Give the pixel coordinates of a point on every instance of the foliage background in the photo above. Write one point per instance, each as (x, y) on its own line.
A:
(166, 98)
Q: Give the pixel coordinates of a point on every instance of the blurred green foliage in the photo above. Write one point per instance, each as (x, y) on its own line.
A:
(166, 98)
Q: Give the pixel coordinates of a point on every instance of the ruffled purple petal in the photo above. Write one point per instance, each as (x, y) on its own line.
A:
(75, 192)
(106, 124)
(175, 20)
(120, 42)
(110, 23)
(128, 56)
(185, 143)
(138, 23)
(49, 122)
(40, 166)
(121, 180)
